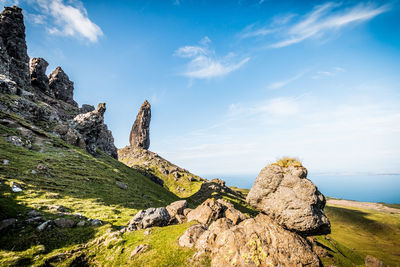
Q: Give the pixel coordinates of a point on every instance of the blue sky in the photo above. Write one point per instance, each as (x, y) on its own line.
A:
(236, 84)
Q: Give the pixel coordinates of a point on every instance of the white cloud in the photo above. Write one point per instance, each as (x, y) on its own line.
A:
(328, 17)
(205, 64)
(325, 74)
(69, 19)
(280, 84)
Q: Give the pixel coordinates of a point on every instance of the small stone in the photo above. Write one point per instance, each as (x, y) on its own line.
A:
(139, 249)
(121, 185)
(371, 261)
(44, 225)
(7, 222)
(33, 213)
(64, 223)
(81, 224)
(15, 187)
(34, 220)
(96, 222)
(6, 162)
(33, 172)
(147, 232)
(15, 140)
(42, 168)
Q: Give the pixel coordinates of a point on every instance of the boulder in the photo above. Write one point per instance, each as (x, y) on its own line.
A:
(14, 60)
(64, 223)
(44, 225)
(16, 187)
(190, 236)
(121, 185)
(149, 218)
(261, 242)
(177, 208)
(140, 133)
(61, 86)
(39, 79)
(290, 199)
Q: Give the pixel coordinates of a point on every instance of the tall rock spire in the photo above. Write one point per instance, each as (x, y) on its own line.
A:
(14, 60)
(140, 133)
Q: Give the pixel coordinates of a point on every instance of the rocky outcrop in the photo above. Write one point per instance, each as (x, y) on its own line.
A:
(95, 133)
(290, 199)
(39, 79)
(61, 86)
(14, 60)
(140, 133)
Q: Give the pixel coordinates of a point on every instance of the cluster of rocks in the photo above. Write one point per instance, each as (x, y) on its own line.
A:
(46, 100)
(290, 207)
(37, 219)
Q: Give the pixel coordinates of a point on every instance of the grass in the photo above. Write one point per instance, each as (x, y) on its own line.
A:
(285, 162)
(359, 232)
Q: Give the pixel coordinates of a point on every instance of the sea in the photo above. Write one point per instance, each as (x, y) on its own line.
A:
(359, 187)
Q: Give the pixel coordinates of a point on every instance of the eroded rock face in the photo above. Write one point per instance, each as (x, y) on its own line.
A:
(290, 199)
(95, 133)
(39, 79)
(14, 60)
(62, 86)
(140, 133)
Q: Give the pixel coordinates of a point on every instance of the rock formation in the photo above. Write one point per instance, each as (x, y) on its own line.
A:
(39, 79)
(61, 86)
(14, 60)
(140, 133)
(95, 133)
(243, 242)
(290, 199)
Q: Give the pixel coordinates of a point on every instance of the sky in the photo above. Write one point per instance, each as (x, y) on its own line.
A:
(234, 85)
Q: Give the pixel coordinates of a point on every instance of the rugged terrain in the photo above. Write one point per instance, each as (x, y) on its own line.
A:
(65, 199)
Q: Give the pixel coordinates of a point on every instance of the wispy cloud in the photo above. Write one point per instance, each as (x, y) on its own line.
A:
(205, 64)
(316, 24)
(328, 17)
(328, 73)
(280, 84)
(66, 19)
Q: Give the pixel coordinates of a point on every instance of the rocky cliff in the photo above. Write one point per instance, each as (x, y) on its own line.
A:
(46, 101)
(140, 133)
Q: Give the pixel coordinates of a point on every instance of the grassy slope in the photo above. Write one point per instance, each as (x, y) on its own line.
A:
(85, 185)
(359, 232)
(152, 165)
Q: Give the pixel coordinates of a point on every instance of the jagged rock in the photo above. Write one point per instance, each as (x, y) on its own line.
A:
(95, 133)
(39, 79)
(61, 86)
(64, 223)
(7, 86)
(7, 222)
(209, 211)
(148, 218)
(186, 211)
(189, 238)
(86, 108)
(261, 242)
(140, 133)
(231, 213)
(371, 261)
(70, 135)
(289, 198)
(177, 208)
(14, 60)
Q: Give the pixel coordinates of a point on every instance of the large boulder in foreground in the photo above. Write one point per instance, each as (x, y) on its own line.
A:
(260, 242)
(290, 199)
(140, 133)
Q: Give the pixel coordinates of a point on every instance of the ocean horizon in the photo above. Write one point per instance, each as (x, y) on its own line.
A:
(359, 187)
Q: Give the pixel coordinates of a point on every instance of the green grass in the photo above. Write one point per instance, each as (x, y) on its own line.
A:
(285, 162)
(359, 232)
